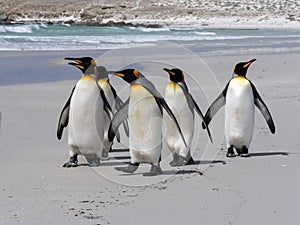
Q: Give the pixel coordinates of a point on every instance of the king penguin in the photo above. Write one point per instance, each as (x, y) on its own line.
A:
(182, 105)
(83, 114)
(240, 97)
(144, 110)
(115, 103)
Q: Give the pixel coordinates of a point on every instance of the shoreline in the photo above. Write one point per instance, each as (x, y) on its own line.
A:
(212, 23)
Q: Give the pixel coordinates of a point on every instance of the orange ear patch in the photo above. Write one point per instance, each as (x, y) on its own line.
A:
(136, 74)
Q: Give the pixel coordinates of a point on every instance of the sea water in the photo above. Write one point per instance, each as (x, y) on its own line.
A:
(63, 37)
(25, 55)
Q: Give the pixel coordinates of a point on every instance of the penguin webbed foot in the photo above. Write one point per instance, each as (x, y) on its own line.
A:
(243, 152)
(230, 152)
(131, 168)
(93, 160)
(154, 171)
(73, 162)
(182, 161)
(191, 161)
(175, 160)
(105, 155)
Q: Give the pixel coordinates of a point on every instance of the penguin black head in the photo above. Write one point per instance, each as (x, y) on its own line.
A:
(241, 68)
(86, 64)
(102, 72)
(176, 75)
(128, 75)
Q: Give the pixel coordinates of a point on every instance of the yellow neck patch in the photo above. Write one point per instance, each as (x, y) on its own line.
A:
(241, 80)
(239, 77)
(173, 85)
(136, 86)
(87, 77)
(102, 82)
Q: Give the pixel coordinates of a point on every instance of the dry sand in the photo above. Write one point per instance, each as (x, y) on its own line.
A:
(261, 189)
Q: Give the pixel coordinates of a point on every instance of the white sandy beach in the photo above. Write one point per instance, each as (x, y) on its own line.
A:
(261, 189)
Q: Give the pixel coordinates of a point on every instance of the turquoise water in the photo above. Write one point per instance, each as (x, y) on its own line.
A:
(58, 37)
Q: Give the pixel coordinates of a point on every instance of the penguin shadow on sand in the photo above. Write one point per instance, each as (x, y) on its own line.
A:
(261, 154)
(122, 158)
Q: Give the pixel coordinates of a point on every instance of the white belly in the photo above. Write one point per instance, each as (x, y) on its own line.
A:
(85, 131)
(177, 101)
(239, 113)
(145, 126)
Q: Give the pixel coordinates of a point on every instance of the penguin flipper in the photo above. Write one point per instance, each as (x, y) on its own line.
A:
(118, 101)
(193, 105)
(118, 118)
(202, 117)
(106, 104)
(118, 104)
(263, 108)
(215, 106)
(64, 117)
(162, 104)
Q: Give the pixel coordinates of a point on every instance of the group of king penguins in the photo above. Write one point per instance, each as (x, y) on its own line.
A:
(94, 113)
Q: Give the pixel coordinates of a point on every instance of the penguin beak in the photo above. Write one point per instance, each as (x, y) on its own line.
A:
(118, 74)
(249, 63)
(76, 62)
(76, 65)
(73, 59)
(169, 71)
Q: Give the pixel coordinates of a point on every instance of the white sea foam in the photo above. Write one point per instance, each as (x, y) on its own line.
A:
(148, 29)
(43, 37)
(25, 29)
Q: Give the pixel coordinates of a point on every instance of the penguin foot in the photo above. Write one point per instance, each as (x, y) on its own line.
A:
(173, 163)
(191, 161)
(175, 159)
(104, 156)
(230, 152)
(243, 152)
(73, 162)
(230, 155)
(93, 160)
(131, 168)
(155, 170)
(181, 161)
(70, 164)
